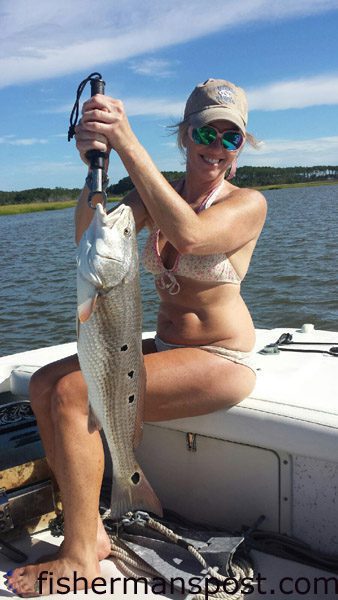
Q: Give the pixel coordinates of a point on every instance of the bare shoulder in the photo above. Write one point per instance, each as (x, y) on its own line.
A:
(238, 216)
(246, 200)
(248, 195)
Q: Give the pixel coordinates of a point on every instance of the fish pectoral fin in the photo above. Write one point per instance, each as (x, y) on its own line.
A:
(87, 295)
(136, 495)
(93, 422)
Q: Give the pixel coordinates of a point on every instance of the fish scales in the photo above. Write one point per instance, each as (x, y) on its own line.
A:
(110, 350)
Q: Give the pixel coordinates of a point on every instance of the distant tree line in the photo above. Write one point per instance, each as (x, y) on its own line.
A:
(245, 177)
(39, 195)
(258, 176)
(252, 177)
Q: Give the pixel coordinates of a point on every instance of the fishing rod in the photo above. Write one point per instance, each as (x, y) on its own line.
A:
(97, 179)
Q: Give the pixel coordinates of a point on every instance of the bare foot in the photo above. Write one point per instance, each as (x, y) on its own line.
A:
(103, 547)
(103, 542)
(58, 576)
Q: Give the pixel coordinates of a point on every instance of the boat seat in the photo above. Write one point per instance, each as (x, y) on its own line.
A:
(20, 378)
(293, 407)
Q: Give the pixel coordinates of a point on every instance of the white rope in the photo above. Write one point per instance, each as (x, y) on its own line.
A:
(124, 556)
(133, 566)
(241, 569)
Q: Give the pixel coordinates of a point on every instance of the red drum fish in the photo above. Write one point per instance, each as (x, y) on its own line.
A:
(110, 349)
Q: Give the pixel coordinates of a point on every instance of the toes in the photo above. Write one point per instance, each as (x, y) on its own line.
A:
(15, 582)
(23, 581)
(11, 575)
(10, 587)
(7, 583)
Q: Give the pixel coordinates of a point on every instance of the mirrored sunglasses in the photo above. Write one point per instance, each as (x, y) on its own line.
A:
(231, 140)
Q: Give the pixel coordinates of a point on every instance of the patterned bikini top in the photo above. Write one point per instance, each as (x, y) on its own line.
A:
(210, 267)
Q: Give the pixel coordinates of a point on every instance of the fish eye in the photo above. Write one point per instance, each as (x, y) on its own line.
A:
(127, 232)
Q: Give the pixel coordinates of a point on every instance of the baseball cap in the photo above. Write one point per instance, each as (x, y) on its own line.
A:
(217, 99)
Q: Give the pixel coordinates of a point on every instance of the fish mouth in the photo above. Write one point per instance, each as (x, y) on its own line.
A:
(110, 258)
(113, 215)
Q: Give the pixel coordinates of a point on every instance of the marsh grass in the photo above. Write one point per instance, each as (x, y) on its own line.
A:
(16, 209)
(281, 186)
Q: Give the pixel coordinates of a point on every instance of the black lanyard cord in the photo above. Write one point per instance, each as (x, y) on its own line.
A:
(74, 115)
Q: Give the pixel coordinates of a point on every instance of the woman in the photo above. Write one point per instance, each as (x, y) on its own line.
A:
(203, 231)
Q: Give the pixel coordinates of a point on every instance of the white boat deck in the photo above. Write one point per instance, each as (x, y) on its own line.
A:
(279, 578)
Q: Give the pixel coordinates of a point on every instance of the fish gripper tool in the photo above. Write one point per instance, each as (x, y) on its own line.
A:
(97, 180)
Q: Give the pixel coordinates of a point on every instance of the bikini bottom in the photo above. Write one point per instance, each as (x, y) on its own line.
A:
(237, 356)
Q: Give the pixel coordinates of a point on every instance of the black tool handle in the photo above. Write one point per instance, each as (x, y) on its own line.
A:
(97, 86)
(95, 156)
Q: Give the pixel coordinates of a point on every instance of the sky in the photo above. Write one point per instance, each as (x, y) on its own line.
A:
(151, 55)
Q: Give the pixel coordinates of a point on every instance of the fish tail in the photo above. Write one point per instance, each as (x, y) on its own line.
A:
(137, 495)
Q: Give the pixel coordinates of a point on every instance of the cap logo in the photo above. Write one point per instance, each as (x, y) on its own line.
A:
(225, 94)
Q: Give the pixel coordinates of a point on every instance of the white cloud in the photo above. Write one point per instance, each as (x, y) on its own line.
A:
(153, 67)
(288, 153)
(170, 144)
(278, 95)
(155, 107)
(54, 167)
(58, 38)
(297, 93)
(13, 141)
(138, 106)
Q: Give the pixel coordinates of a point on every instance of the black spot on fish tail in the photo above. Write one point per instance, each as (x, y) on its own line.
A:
(124, 348)
(135, 478)
(131, 398)
(131, 374)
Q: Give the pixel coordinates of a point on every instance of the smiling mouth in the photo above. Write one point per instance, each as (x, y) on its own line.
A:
(211, 161)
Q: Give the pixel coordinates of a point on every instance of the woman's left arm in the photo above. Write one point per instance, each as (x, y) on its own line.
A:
(229, 224)
(208, 232)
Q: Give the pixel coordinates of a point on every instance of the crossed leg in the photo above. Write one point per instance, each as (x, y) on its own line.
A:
(181, 382)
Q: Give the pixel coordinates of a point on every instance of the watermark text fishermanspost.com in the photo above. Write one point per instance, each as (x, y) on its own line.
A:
(286, 586)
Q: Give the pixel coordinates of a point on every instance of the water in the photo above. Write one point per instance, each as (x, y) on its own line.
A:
(292, 278)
